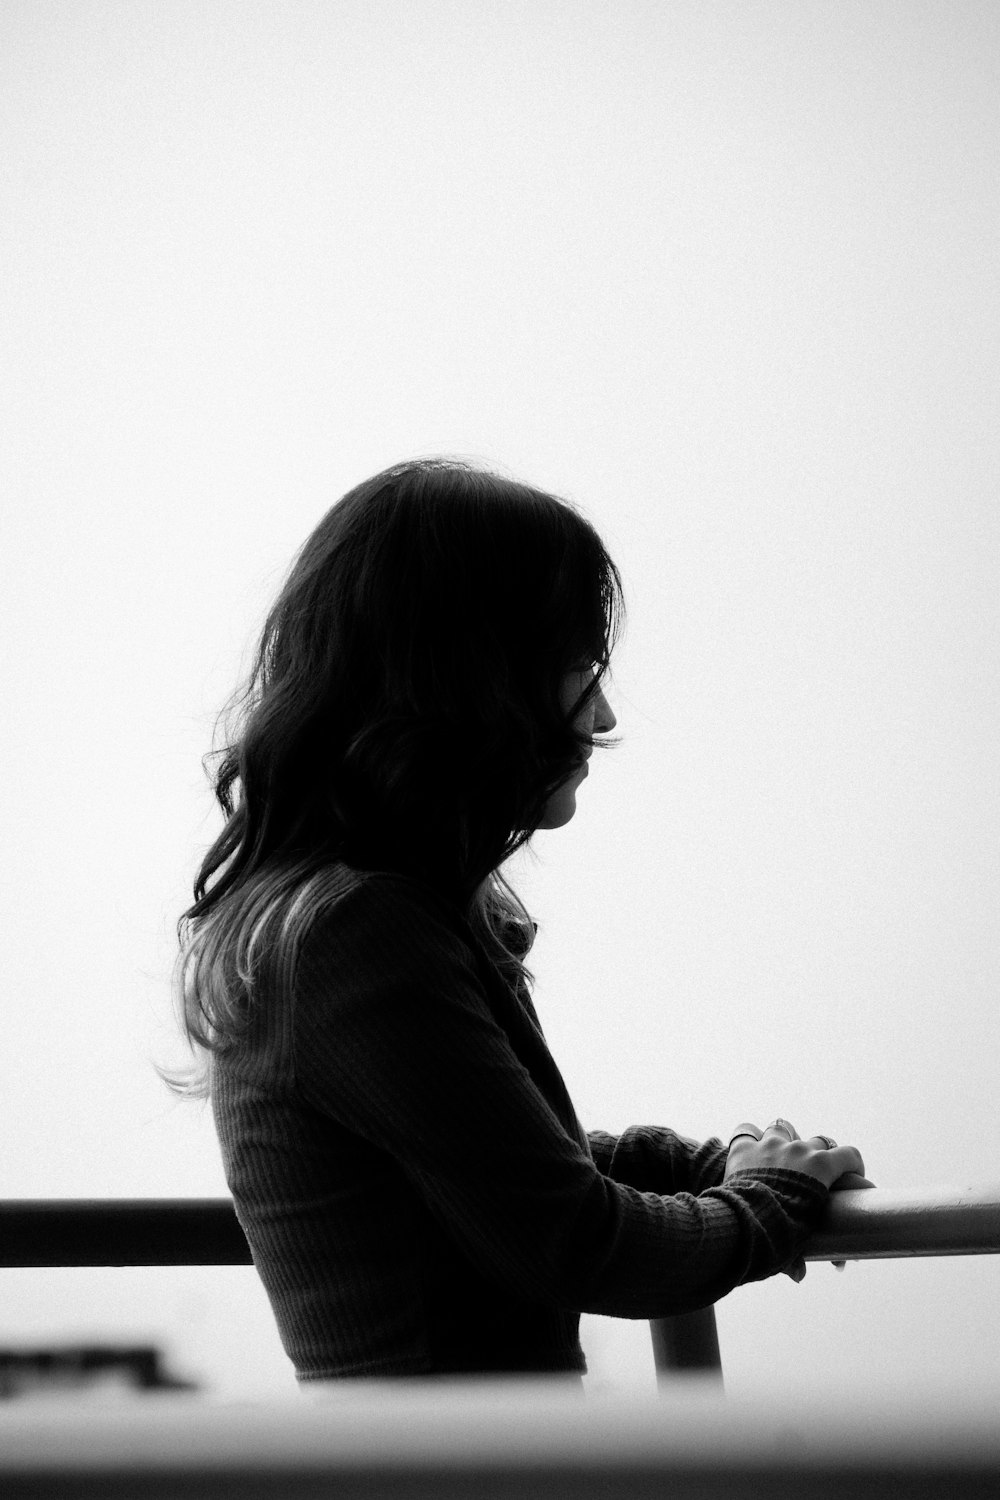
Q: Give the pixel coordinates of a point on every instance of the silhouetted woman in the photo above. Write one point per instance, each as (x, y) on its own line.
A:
(417, 1190)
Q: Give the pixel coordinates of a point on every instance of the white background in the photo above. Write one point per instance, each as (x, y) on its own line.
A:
(726, 276)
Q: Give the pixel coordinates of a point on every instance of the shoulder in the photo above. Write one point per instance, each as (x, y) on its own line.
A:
(382, 922)
(382, 970)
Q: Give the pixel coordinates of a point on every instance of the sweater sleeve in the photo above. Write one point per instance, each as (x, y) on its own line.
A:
(393, 1037)
(655, 1159)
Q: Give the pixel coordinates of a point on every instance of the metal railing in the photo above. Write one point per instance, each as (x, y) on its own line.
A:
(858, 1224)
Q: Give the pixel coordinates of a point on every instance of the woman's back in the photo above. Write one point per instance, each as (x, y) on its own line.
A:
(362, 1273)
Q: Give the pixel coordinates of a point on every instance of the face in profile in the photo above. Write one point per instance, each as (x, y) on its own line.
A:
(594, 718)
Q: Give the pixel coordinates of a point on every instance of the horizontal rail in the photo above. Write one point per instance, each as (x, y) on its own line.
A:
(891, 1223)
(206, 1232)
(121, 1232)
(858, 1224)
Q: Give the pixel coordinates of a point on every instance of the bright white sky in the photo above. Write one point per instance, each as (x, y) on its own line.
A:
(724, 274)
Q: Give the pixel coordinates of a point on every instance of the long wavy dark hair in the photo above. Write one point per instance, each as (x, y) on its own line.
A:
(402, 713)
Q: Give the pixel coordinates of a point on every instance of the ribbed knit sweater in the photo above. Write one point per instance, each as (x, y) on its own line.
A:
(417, 1191)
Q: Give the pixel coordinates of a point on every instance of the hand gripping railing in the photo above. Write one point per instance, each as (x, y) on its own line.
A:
(858, 1224)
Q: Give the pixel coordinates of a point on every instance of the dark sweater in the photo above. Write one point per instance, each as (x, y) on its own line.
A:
(412, 1178)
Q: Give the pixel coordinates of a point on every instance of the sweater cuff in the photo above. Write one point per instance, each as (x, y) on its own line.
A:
(786, 1206)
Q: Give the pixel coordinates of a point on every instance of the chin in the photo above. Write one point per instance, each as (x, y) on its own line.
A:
(559, 810)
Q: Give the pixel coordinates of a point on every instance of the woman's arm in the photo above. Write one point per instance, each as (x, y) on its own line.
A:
(395, 1038)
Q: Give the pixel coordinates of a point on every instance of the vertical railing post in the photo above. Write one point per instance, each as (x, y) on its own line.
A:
(687, 1343)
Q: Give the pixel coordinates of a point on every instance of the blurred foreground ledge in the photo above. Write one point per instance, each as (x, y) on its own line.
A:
(491, 1438)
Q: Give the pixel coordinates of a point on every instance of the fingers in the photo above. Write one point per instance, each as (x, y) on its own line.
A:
(847, 1159)
(797, 1269)
(785, 1128)
(850, 1180)
(849, 1156)
(819, 1156)
(782, 1128)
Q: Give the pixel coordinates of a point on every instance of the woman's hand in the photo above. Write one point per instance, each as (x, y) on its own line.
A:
(780, 1145)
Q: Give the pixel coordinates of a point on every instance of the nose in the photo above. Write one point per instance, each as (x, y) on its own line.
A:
(604, 719)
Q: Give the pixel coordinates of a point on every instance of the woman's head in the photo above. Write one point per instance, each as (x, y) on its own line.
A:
(425, 686)
(411, 676)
